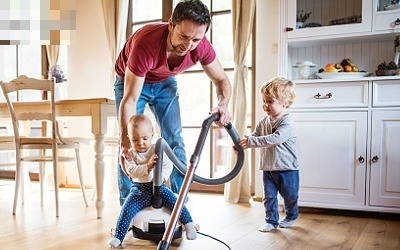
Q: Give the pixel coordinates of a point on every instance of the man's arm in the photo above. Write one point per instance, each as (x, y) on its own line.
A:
(132, 88)
(218, 76)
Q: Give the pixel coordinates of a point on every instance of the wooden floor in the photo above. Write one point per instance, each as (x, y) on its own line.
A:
(236, 225)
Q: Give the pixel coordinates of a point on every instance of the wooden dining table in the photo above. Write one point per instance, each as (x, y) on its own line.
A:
(98, 109)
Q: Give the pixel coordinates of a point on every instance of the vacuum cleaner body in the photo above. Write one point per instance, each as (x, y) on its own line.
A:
(150, 224)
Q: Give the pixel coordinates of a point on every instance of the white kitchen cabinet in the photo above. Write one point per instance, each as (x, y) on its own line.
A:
(348, 136)
(329, 146)
(328, 17)
(332, 95)
(367, 41)
(339, 18)
(348, 129)
(386, 16)
(384, 159)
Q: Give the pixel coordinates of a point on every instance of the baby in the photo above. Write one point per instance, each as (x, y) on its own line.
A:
(140, 171)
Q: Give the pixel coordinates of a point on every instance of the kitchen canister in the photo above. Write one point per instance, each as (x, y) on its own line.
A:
(304, 70)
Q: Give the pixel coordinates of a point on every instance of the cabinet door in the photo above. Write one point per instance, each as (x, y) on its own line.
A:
(386, 16)
(385, 159)
(330, 145)
(333, 17)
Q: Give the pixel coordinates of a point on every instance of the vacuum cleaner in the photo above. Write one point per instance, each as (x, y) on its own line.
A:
(159, 224)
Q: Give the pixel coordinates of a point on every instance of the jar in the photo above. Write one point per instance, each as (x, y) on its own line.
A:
(303, 70)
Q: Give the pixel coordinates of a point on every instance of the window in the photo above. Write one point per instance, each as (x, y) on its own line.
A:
(140, 17)
(20, 59)
(24, 60)
(16, 60)
(213, 161)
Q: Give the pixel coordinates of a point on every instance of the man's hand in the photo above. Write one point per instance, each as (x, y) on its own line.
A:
(224, 115)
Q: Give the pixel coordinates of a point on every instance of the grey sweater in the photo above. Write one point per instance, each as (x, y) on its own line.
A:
(276, 140)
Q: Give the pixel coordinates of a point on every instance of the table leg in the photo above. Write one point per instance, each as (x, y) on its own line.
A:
(99, 172)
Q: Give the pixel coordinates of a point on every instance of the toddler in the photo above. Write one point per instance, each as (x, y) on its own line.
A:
(274, 135)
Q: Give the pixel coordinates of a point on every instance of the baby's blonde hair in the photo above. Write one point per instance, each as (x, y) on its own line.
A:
(138, 121)
(281, 89)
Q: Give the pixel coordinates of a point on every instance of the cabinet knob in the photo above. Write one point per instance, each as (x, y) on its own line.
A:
(361, 159)
(288, 29)
(375, 159)
(319, 96)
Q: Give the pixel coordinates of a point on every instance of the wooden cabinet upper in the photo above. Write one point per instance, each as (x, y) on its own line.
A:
(316, 18)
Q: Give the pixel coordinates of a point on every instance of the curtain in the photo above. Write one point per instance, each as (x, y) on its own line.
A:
(115, 13)
(238, 190)
(52, 52)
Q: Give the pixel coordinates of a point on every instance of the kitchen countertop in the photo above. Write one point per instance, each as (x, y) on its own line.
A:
(368, 78)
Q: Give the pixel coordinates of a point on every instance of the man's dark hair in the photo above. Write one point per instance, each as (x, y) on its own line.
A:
(193, 10)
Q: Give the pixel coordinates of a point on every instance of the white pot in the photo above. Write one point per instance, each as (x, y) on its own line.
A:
(303, 70)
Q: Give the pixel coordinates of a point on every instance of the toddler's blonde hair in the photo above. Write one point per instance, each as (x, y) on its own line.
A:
(281, 89)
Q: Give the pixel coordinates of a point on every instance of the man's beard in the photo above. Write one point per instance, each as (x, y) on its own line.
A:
(177, 48)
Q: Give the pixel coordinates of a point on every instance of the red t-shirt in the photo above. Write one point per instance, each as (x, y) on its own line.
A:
(145, 54)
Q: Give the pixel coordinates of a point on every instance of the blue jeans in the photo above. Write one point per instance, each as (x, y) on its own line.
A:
(163, 100)
(287, 184)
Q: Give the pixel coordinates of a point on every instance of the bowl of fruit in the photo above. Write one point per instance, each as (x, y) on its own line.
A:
(344, 70)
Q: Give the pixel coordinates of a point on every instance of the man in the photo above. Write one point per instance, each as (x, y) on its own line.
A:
(146, 69)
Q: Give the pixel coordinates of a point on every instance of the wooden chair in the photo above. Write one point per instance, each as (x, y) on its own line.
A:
(7, 147)
(43, 143)
(7, 144)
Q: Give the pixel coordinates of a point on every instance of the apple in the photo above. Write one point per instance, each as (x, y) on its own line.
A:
(330, 67)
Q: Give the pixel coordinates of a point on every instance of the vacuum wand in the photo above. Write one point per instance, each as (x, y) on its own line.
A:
(194, 160)
(169, 231)
(190, 173)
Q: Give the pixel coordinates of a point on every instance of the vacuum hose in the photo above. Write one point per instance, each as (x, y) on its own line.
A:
(162, 146)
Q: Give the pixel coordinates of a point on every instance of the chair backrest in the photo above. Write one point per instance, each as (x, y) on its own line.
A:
(45, 113)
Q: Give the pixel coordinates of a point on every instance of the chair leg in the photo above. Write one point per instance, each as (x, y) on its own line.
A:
(17, 183)
(41, 180)
(22, 184)
(79, 165)
(55, 172)
(94, 194)
(24, 180)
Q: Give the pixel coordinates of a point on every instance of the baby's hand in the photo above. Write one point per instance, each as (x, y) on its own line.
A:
(152, 161)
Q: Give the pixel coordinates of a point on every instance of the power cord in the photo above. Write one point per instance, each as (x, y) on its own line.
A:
(215, 239)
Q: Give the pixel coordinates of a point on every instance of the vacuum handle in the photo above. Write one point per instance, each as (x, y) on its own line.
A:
(203, 136)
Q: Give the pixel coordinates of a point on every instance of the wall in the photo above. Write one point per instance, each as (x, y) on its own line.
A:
(267, 37)
(89, 68)
(89, 64)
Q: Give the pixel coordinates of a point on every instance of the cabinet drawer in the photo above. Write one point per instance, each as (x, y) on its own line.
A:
(386, 93)
(385, 21)
(331, 94)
